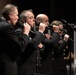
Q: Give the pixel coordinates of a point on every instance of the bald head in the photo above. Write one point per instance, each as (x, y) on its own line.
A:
(42, 18)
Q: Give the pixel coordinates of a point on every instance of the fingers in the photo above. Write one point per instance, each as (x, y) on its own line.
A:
(42, 27)
(27, 28)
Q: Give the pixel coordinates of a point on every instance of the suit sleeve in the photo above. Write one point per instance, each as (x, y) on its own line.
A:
(61, 47)
(39, 37)
(53, 41)
(18, 42)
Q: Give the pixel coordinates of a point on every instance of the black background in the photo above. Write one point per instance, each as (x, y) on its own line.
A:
(55, 9)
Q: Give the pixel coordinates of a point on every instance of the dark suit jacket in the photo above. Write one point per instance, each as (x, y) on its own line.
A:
(27, 66)
(52, 57)
(60, 62)
(10, 47)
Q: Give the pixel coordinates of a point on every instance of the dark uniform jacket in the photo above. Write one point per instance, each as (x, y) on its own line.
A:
(10, 47)
(53, 62)
(28, 63)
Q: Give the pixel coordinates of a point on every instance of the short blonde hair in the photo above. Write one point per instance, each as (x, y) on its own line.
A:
(56, 22)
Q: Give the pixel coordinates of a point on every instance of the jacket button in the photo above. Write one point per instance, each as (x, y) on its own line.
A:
(63, 53)
(37, 50)
(37, 64)
(64, 50)
(37, 57)
(52, 58)
(52, 52)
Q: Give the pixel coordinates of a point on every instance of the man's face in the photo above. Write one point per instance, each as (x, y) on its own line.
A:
(46, 20)
(30, 19)
(14, 17)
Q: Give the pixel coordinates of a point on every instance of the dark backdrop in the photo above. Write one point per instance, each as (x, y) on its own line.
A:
(55, 9)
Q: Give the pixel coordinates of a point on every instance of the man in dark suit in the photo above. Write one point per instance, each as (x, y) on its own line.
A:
(53, 62)
(27, 60)
(61, 50)
(50, 42)
(10, 44)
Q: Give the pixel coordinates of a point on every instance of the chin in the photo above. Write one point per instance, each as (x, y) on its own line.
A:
(14, 23)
